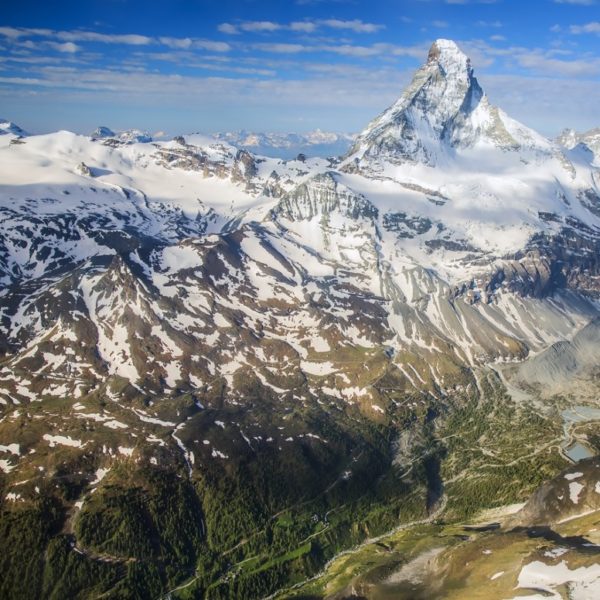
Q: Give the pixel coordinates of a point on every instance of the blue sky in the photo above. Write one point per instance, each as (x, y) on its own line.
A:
(289, 65)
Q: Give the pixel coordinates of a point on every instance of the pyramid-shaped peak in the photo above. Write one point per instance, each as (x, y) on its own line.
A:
(449, 57)
(442, 111)
(443, 49)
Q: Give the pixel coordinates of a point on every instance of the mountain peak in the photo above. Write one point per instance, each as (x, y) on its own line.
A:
(8, 127)
(102, 132)
(446, 52)
(442, 111)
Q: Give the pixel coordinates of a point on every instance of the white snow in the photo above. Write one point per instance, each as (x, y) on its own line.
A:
(583, 582)
(12, 448)
(62, 440)
(100, 475)
(5, 466)
(218, 454)
(574, 491)
(114, 424)
(555, 552)
(318, 368)
(154, 421)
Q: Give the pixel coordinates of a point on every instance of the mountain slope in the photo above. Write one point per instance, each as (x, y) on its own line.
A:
(298, 348)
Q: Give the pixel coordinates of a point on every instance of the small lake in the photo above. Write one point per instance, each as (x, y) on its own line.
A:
(577, 451)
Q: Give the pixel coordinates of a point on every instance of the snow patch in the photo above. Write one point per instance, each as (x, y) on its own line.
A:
(574, 491)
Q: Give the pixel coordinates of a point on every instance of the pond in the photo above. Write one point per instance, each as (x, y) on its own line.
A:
(574, 449)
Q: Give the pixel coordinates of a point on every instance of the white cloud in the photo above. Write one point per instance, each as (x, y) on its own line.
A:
(228, 28)
(180, 43)
(580, 2)
(345, 49)
(188, 43)
(541, 63)
(325, 90)
(593, 27)
(303, 26)
(68, 39)
(282, 48)
(496, 24)
(76, 36)
(355, 25)
(69, 47)
(350, 50)
(211, 45)
(307, 26)
(131, 39)
(260, 26)
(545, 103)
(18, 32)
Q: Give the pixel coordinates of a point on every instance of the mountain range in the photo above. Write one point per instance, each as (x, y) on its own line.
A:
(222, 368)
(289, 145)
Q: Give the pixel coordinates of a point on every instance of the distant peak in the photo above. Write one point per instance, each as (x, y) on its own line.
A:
(7, 126)
(102, 132)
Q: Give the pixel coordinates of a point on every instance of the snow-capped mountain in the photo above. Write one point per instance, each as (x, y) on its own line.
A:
(443, 116)
(190, 306)
(569, 138)
(289, 145)
(8, 127)
(458, 224)
(128, 136)
(103, 132)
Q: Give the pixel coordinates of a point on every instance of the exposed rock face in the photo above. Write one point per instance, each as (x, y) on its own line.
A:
(244, 167)
(573, 492)
(322, 196)
(565, 360)
(84, 170)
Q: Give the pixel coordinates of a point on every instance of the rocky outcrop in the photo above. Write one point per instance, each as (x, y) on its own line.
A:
(575, 491)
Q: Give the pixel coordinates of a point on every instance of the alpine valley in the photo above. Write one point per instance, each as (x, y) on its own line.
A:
(225, 375)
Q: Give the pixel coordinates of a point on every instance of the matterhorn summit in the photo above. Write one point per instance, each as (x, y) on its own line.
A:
(443, 110)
